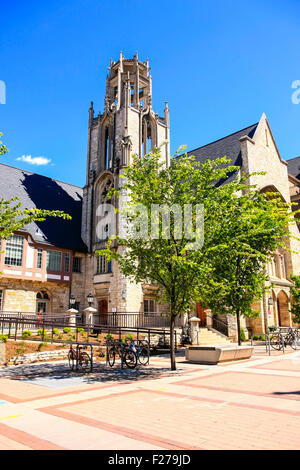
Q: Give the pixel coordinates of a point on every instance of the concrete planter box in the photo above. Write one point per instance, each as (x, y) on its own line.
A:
(215, 354)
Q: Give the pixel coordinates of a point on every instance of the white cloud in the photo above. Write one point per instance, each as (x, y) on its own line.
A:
(34, 160)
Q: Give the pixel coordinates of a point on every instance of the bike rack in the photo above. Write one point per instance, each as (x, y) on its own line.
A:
(268, 342)
(122, 359)
(77, 352)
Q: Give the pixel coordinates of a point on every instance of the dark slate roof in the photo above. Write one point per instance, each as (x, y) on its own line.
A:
(36, 191)
(294, 167)
(229, 146)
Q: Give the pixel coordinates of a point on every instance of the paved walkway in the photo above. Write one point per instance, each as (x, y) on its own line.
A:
(252, 404)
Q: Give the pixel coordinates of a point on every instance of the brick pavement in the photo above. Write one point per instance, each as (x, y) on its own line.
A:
(245, 405)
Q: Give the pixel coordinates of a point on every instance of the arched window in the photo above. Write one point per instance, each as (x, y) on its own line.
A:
(42, 301)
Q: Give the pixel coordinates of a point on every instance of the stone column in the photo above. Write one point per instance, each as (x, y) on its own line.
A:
(184, 320)
(194, 322)
(89, 313)
(209, 318)
(72, 317)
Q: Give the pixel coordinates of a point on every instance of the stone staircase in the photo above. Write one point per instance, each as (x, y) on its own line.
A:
(212, 338)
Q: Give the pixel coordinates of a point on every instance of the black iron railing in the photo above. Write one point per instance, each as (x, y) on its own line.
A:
(135, 320)
(14, 326)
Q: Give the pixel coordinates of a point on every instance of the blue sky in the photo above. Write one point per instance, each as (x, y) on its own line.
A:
(219, 64)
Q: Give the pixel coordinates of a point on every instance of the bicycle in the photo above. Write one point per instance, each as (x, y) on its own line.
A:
(290, 339)
(81, 357)
(123, 351)
(142, 351)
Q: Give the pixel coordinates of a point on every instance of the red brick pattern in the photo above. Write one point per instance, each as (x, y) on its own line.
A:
(231, 407)
(277, 386)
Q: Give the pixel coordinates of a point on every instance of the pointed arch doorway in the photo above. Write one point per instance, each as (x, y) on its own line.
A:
(283, 309)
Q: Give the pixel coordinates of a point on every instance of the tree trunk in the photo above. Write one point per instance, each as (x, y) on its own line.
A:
(238, 326)
(172, 342)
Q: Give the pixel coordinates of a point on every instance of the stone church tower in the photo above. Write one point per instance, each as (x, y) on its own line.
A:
(127, 126)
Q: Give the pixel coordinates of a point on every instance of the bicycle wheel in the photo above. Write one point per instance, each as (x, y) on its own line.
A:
(130, 359)
(72, 360)
(111, 357)
(144, 356)
(275, 342)
(85, 362)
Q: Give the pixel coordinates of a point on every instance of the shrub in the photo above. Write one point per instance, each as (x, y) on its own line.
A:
(272, 328)
(3, 338)
(40, 346)
(258, 338)
(129, 337)
(41, 332)
(243, 336)
(56, 331)
(26, 334)
(108, 337)
(80, 330)
(67, 330)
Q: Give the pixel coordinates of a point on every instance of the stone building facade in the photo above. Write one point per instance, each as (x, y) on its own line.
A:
(127, 126)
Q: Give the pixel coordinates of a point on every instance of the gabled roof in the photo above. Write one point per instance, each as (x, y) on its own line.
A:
(294, 167)
(36, 191)
(228, 146)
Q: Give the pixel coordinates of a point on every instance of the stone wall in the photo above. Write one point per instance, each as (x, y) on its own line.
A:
(40, 357)
(20, 295)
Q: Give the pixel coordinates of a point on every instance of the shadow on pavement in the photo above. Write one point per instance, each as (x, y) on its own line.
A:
(101, 374)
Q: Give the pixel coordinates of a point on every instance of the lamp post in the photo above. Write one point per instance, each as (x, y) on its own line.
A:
(72, 312)
(72, 301)
(89, 311)
(90, 299)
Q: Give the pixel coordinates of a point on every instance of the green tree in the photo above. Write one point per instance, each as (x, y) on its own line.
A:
(254, 224)
(296, 299)
(13, 217)
(3, 148)
(169, 260)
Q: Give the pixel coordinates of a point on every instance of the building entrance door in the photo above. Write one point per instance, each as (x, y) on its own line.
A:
(103, 309)
(201, 314)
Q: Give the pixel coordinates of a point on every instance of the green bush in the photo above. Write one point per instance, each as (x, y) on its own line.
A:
(67, 330)
(243, 336)
(272, 328)
(56, 331)
(80, 330)
(26, 334)
(3, 338)
(41, 332)
(129, 337)
(109, 337)
(40, 346)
